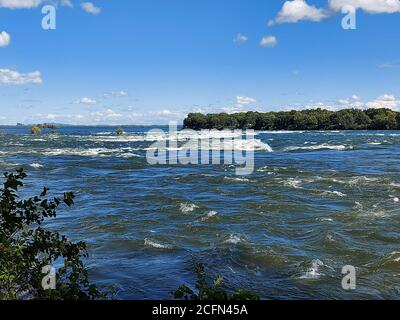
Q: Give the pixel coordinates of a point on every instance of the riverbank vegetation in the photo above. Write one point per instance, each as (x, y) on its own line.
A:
(211, 290)
(29, 253)
(315, 119)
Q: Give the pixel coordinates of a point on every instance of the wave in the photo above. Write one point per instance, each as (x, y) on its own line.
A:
(165, 136)
(234, 239)
(187, 207)
(36, 165)
(335, 193)
(153, 244)
(314, 271)
(209, 215)
(236, 179)
(325, 219)
(394, 256)
(320, 147)
(294, 183)
(91, 152)
(235, 145)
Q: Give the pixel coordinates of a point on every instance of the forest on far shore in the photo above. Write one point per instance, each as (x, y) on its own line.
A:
(315, 119)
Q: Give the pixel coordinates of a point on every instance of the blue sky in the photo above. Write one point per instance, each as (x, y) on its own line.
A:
(151, 61)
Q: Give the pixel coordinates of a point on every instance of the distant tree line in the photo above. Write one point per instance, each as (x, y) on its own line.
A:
(315, 119)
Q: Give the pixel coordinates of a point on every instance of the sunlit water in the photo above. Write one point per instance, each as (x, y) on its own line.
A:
(318, 202)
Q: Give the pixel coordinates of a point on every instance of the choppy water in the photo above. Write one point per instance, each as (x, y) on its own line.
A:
(318, 202)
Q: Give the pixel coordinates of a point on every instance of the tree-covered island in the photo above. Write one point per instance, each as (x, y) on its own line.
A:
(315, 119)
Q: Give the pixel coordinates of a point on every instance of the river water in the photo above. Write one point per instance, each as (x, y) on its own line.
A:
(317, 202)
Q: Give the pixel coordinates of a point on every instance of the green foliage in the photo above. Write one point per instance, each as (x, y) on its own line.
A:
(26, 247)
(214, 291)
(315, 119)
(48, 126)
(36, 130)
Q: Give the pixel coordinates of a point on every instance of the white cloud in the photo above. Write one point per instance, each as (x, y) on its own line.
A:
(165, 112)
(268, 42)
(105, 115)
(121, 93)
(232, 109)
(237, 106)
(66, 3)
(244, 101)
(20, 4)
(88, 101)
(370, 6)
(4, 39)
(386, 101)
(89, 7)
(30, 4)
(298, 10)
(353, 102)
(11, 77)
(240, 39)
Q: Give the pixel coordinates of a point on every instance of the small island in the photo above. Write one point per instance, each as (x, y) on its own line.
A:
(37, 129)
(314, 119)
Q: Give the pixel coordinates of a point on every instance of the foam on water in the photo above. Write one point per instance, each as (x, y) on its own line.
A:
(319, 147)
(36, 165)
(334, 193)
(314, 271)
(90, 152)
(294, 183)
(187, 207)
(238, 145)
(209, 215)
(237, 179)
(154, 244)
(234, 239)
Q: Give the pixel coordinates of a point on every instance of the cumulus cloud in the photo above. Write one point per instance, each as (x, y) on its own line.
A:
(87, 101)
(30, 4)
(268, 42)
(244, 101)
(353, 102)
(4, 39)
(66, 3)
(369, 6)
(11, 77)
(237, 106)
(294, 11)
(240, 39)
(20, 4)
(89, 7)
(298, 10)
(105, 115)
(386, 101)
(120, 93)
(165, 112)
